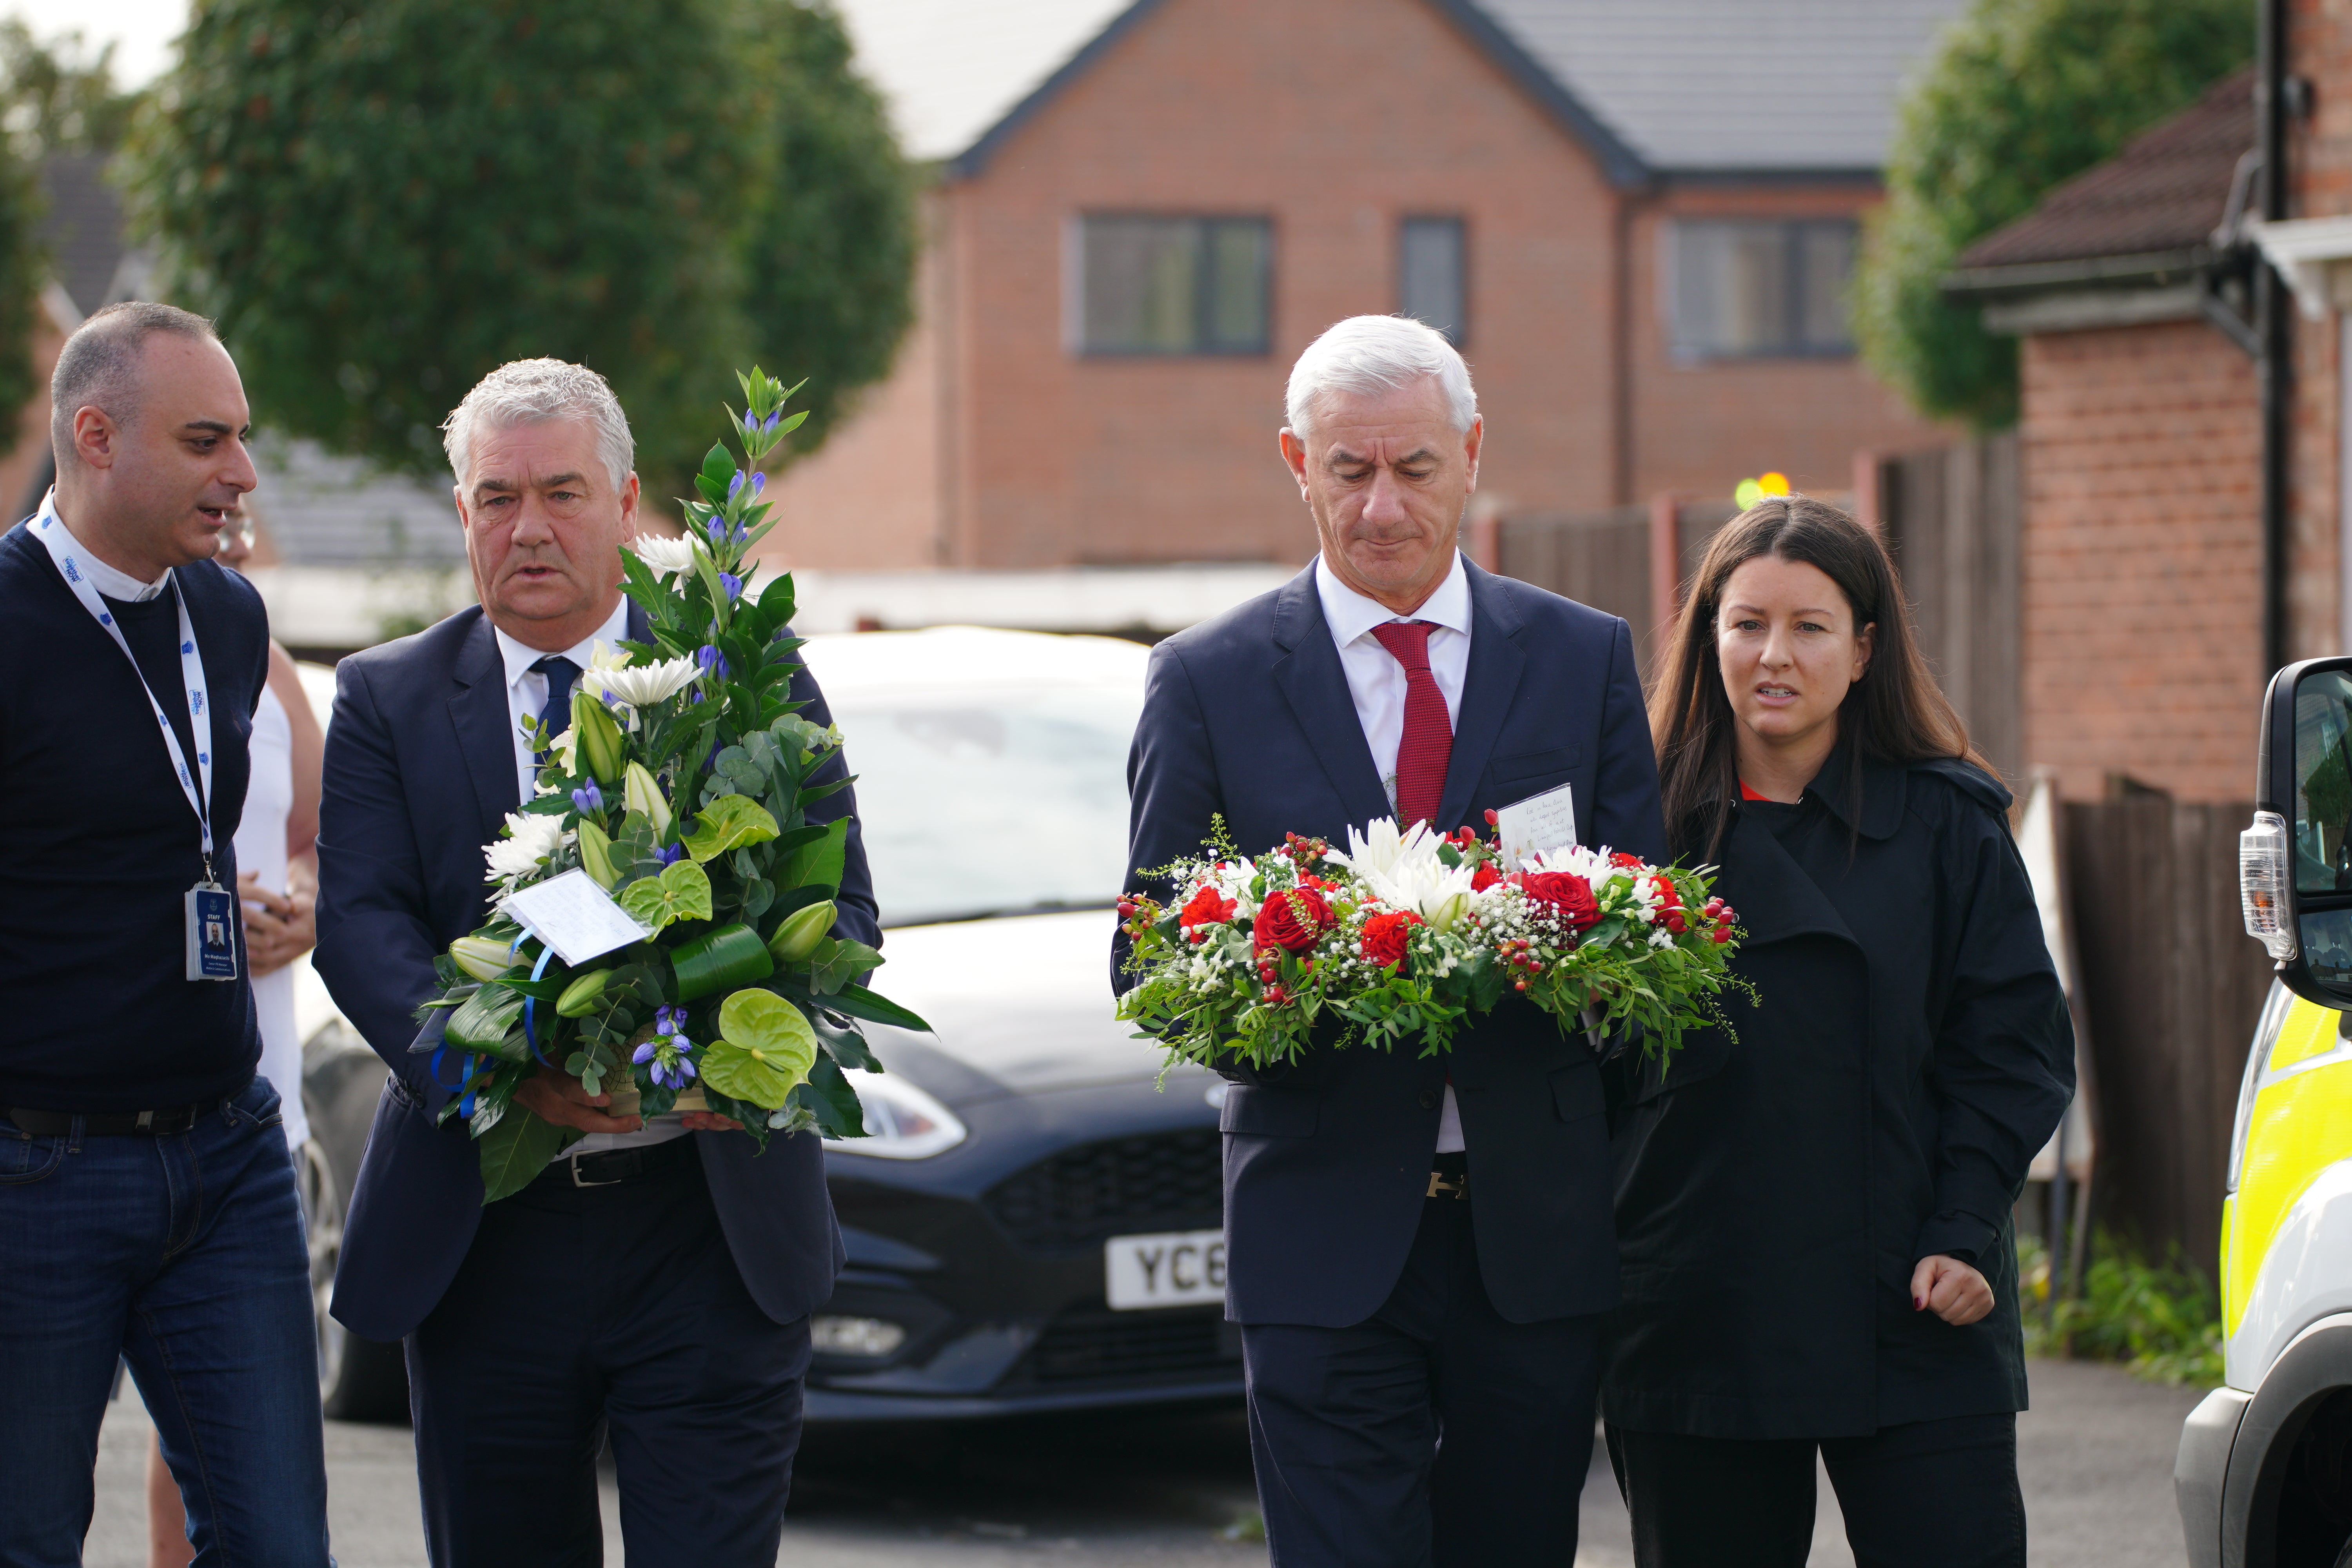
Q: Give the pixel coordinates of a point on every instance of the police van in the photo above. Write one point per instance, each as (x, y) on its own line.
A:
(2264, 1472)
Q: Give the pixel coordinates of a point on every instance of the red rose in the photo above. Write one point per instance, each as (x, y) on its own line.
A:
(1291, 920)
(1668, 897)
(1485, 877)
(1385, 937)
(1621, 859)
(1568, 895)
(1207, 909)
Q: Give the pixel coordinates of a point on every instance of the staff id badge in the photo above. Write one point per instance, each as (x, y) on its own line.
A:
(212, 932)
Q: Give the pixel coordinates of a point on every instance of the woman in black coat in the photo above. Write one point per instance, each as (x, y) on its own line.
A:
(1813, 1211)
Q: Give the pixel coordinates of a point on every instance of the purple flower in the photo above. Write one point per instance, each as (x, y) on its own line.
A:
(771, 425)
(588, 798)
(735, 485)
(670, 854)
(733, 584)
(759, 483)
(713, 662)
(750, 422)
(669, 1020)
(669, 1052)
(717, 529)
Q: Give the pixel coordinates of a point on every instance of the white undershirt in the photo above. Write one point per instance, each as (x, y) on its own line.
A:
(121, 587)
(526, 695)
(1376, 683)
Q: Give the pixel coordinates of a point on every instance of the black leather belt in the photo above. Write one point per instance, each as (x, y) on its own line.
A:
(1449, 1176)
(166, 1123)
(610, 1167)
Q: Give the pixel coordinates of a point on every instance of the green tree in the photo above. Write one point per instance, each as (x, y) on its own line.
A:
(2020, 95)
(53, 98)
(381, 200)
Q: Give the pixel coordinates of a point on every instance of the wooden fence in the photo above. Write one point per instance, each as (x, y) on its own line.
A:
(2171, 985)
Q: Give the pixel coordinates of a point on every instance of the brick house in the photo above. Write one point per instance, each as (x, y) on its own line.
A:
(1637, 221)
(2141, 551)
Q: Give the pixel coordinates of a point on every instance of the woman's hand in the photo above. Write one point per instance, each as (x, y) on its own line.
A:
(1951, 1289)
(278, 927)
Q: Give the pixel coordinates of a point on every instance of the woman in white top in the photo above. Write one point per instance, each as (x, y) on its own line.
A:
(277, 854)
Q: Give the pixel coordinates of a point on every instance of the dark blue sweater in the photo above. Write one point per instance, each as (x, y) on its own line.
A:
(97, 845)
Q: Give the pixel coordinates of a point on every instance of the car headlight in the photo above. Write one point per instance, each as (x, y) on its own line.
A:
(871, 1338)
(901, 1120)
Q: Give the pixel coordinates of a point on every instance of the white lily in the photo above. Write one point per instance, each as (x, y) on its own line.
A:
(531, 837)
(664, 554)
(642, 685)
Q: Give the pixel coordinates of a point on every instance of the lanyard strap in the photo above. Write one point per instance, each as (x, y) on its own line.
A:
(67, 552)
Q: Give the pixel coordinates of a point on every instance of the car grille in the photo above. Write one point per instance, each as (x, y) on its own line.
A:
(1083, 1197)
(1092, 1344)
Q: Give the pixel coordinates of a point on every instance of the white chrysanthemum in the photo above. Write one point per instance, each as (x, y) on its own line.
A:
(1592, 865)
(1402, 870)
(664, 554)
(642, 685)
(531, 837)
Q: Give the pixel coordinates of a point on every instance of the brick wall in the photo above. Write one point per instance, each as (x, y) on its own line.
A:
(2142, 559)
(1335, 119)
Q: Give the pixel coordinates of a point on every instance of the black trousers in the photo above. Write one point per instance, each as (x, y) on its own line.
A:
(1434, 1434)
(580, 1312)
(1933, 1494)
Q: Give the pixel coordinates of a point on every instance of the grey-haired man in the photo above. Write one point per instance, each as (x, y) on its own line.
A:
(655, 1284)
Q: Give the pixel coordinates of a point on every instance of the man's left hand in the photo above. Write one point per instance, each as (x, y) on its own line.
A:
(709, 1122)
(1951, 1289)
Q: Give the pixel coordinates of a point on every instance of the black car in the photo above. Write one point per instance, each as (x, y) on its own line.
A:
(1034, 1224)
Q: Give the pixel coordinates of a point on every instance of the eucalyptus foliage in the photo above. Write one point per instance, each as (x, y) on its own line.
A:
(2020, 96)
(381, 200)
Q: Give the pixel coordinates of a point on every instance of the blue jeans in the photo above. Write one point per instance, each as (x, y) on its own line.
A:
(182, 1256)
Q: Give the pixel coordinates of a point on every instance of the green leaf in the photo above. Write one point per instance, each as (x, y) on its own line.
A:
(859, 1003)
(681, 893)
(838, 962)
(516, 1149)
(482, 1024)
(828, 1094)
(730, 822)
(847, 1047)
(767, 1048)
(718, 464)
(818, 864)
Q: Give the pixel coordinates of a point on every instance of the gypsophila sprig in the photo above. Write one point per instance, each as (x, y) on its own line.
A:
(681, 787)
(1397, 940)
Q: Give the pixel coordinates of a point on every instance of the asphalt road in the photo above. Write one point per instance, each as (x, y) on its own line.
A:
(2096, 1454)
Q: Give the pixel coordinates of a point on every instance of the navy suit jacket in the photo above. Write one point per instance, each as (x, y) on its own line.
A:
(1327, 1161)
(420, 772)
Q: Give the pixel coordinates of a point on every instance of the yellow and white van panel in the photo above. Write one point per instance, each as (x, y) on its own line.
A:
(2286, 1225)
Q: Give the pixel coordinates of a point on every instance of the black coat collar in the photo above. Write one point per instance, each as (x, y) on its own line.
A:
(1871, 806)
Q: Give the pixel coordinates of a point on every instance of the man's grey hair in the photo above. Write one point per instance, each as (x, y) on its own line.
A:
(99, 365)
(528, 391)
(1378, 353)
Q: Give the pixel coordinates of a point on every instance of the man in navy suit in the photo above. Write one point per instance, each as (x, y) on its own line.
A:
(1420, 1250)
(656, 1283)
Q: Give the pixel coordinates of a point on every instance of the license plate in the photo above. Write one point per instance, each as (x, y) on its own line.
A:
(1174, 1269)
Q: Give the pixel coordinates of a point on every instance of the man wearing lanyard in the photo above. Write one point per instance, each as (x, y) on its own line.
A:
(147, 1203)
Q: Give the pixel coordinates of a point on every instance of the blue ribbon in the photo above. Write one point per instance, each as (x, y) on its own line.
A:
(530, 1004)
(465, 1078)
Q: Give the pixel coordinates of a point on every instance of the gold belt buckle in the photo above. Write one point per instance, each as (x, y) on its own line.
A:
(1443, 1186)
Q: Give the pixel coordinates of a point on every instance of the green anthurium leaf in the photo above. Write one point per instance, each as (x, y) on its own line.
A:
(728, 822)
(767, 1048)
(847, 1047)
(681, 893)
(718, 464)
(515, 1150)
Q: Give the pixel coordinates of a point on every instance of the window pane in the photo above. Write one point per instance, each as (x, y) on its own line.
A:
(1431, 274)
(1239, 250)
(1142, 284)
(1825, 265)
(1761, 287)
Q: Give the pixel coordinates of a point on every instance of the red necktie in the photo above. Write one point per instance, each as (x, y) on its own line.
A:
(1428, 743)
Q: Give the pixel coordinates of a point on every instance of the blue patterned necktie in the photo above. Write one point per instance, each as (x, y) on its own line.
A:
(562, 675)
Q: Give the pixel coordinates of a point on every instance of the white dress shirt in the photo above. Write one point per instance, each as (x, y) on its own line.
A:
(1376, 683)
(526, 695)
(120, 585)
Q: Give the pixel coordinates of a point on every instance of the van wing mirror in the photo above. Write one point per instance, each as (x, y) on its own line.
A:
(2295, 863)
